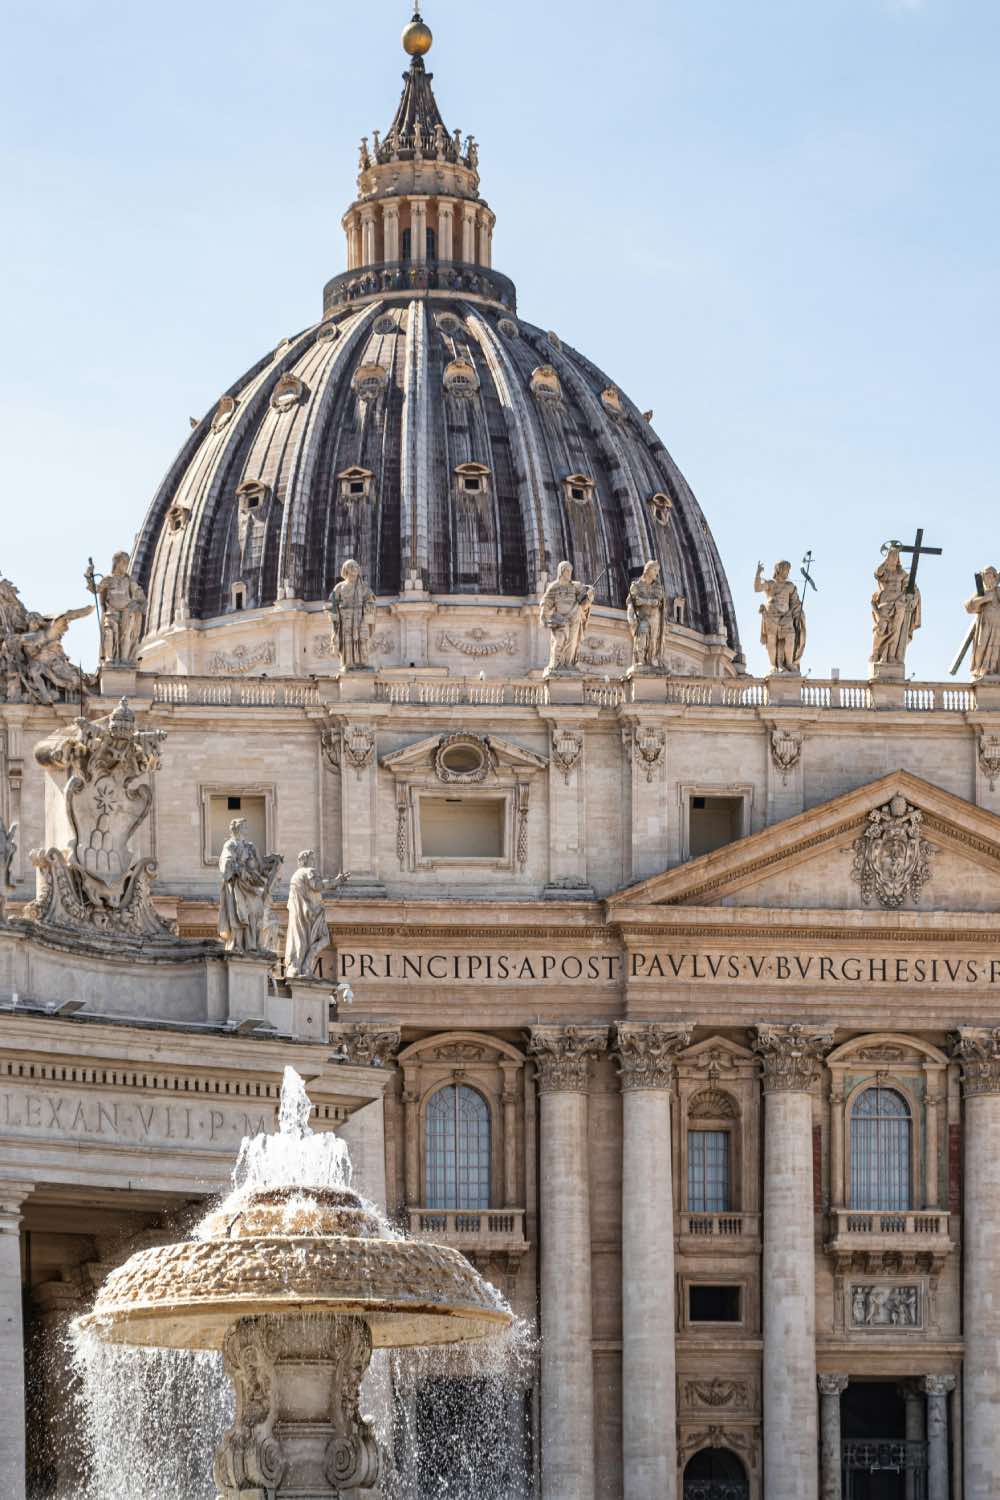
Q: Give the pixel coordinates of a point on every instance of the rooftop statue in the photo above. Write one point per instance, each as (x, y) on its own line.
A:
(34, 668)
(308, 934)
(352, 615)
(564, 611)
(646, 608)
(895, 612)
(122, 605)
(985, 605)
(246, 921)
(782, 618)
(98, 881)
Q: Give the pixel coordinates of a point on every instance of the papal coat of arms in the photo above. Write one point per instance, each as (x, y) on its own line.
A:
(891, 857)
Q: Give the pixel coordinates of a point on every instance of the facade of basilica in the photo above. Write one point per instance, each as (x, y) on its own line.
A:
(669, 995)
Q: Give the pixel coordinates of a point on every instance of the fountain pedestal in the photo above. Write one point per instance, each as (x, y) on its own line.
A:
(298, 1430)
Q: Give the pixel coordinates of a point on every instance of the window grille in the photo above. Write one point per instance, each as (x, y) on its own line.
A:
(458, 1149)
(708, 1172)
(881, 1133)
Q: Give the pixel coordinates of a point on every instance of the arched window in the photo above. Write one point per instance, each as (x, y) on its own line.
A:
(715, 1474)
(881, 1132)
(457, 1133)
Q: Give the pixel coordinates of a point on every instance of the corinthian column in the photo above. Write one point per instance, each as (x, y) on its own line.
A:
(978, 1050)
(831, 1388)
(12, 1476)
(790, 1058)
(645, 1056)
(562, 1056)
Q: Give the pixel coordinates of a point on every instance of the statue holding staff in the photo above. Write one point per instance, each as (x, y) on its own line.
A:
(352, 616)
(782, 618)
(564, 611)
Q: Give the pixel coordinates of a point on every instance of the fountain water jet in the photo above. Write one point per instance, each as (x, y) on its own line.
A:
(296, 1280)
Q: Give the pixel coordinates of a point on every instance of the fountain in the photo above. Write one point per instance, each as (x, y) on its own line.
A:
(296, 1279)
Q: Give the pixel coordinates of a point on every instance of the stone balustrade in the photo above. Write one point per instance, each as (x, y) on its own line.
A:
(471, 1228)
(729, 1226)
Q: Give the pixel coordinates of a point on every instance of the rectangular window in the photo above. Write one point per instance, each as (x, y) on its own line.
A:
(462, 828)
(222, 808)
(714, 822)
(713, 1304)
(708, 1171)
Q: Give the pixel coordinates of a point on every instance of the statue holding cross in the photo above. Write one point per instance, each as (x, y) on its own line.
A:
(896, 606)
(985, 634)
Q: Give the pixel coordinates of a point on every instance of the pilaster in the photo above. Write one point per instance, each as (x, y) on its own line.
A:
(645, 1056)
(352, 745)
(645, 749)
(469, 232)
(390, 229)
(446, 229)
(567, 809)
(12, 1437)
(562, 1057)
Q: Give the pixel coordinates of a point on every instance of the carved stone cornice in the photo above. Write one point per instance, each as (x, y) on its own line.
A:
(832, 1385)
(562, 1056)
(644, 1054)
(977, 1048)
(366, 1044)
(791, 1055)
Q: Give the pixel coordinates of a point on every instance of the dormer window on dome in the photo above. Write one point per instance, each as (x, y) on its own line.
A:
(578, 489)
(252, 496)
(460, 379)
(223, 413)
(449, 324)
(356, 484)
(611, 400)
(370, 381)
(472, 482)
(289, 391)
(661, 505)
(545, 385)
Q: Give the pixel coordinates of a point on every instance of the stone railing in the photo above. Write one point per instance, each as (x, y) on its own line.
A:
(476, 1228)
(852, 1221)
(407, 276)
(236, 692)
(729, 1226)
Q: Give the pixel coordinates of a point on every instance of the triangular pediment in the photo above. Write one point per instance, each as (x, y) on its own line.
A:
(811, 860)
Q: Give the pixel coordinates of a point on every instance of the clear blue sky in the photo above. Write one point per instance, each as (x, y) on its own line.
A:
(775, 223)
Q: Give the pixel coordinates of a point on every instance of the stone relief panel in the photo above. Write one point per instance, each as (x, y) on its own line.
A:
(989, 758)
(891, 856)
(872, 1305)
(381, 644)
(478, 643)
(786, 750)
(602, 651)
(735, 1392)
(241, 659)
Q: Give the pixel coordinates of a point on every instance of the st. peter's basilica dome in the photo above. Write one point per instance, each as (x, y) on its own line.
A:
(425, 429)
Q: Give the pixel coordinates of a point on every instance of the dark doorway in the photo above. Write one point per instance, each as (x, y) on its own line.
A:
(879, 1464)
(715, 1474)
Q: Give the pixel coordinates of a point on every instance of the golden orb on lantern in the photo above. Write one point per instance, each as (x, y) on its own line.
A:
(417, 37)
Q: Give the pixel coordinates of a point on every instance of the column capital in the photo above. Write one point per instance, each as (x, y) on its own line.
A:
(644, 1054)
(977, 1048)
(365, 1043)
(12, 1196)
(790, 1055)
(938, 1385)
(562, 1055)
(832, 1385)
(367, 213)
(390, 208)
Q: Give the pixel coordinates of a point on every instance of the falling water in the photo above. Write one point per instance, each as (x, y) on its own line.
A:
(453, 1421)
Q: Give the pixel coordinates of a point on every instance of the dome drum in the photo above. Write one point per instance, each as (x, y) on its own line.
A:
(407, 278)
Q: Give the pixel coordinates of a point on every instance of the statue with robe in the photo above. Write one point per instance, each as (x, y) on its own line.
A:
(646, 608)
(246, 922)
(352, 616)
(564, 611)
(895, 613)
(782, 618)
(123, 610)
(986, 633)
(308, 933)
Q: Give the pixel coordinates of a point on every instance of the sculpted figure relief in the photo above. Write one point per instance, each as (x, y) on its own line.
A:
(782, 618)
(352, 615)
(246, 922)
(34, 667)
(123, 609)
(564, 611)
(8, 848)
(308, 933)
(646, 608)
(986, 635)
(98, 880)
(895, 613)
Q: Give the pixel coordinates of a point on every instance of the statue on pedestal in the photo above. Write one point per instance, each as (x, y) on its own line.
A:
(986, 631)
(564, 611)
(123, 609)
(34, 667)
(646, 608)
(782, 618)
(308, 933)
(895, 613)
(352, 616)
(246, 921)
(98, 880)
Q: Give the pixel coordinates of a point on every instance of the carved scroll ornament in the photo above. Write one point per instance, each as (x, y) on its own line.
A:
(645, 1054)
(790, 1056)
(562, 1055)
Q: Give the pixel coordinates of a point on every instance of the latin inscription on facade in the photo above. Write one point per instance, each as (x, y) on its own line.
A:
(60, 1115)
(842, 970)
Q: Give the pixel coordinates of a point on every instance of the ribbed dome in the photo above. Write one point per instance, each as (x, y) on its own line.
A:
(430, 436)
